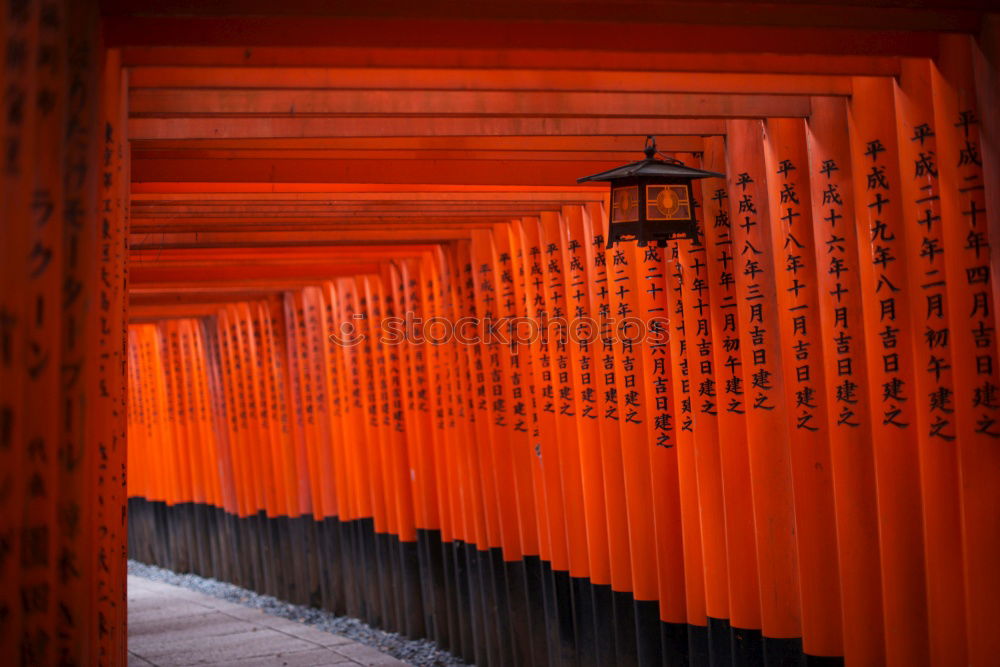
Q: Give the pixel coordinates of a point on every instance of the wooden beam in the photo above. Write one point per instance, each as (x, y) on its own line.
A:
(223, 274)
(178, 290)
(252, 216)
(188, 295)
(140, 200)
(323, 103)
(466, 172)
(394, 226)
(319, 31)
(348, 210)
(311, 253)
(473, 145)
(240, 153)
(416, 78)
(208, 128)
(295, 238)
(347, 189)
(594, 58)
(152, 312)
(914, 15)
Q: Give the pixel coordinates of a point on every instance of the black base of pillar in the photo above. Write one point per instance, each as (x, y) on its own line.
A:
(472, 602)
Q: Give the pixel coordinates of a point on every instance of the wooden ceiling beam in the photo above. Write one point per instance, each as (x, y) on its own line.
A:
(277, 239)
(406, 227)
(239, 153)
(312, 103)
(335, 210)
(417, 189)
(592, 59)
(140, 200)
(265, 128)
(417, 78)
(153, 312)
(909, 14)
(473, 145)
(311, 253)
(801, 37)
(186, 294)
(469, 172)
(222, 274)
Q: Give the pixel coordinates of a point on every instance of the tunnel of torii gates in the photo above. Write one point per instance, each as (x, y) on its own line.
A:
(211, 209)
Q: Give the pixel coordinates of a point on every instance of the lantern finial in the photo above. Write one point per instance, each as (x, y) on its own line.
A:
(650, 149)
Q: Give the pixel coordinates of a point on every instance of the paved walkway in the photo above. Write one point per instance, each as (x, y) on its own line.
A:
(169, 625)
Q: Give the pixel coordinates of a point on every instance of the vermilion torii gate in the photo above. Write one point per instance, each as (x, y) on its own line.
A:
(801, 459)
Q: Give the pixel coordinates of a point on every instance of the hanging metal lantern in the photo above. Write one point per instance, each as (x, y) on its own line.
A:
(651, 200)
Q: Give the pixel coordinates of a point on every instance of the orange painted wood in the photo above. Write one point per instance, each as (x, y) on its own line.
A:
(207, 440)
(393, 412)
(436, 281)
(965, 193)
(668, 385)
(921, 15)
(365, 190)
(583, 338)
(318, 31)
(465, 172)
(837, 257)
(336, 399)
(805, 484)
(360, 126)
(483, 529)
(419, 365)
(496, 374)
(75, 120)
(767, 419)
(376, 386)
(249, 400)
(351, 406)
(272, 238)
(470, 146)
(521, 268)
(788, 184)
(633, 411)
(17, 179)
(33, 322)
(695, 295)
(226, 466)
(511, 408)
(920, 192)
(545, 441)
(168, 103)
(296, 397)
(888, 299)
(314, 312)
(413, 78)
(647, 321)
(243, 465)
(470, 519)
(679, 393)
(559, 404)
(108, 383)
(594, 223)
(570, 58)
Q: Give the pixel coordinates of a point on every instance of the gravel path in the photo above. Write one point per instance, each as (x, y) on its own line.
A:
(419, 652)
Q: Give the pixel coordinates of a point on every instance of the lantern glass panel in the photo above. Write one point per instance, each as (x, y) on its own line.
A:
(668, 202)
(625, 204)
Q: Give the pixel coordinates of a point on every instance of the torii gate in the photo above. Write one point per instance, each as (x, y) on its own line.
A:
(195, 196)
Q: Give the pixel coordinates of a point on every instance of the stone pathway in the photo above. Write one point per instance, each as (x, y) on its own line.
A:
(169, 625)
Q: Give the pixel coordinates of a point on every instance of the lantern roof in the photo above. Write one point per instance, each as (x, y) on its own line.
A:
(652, 166)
